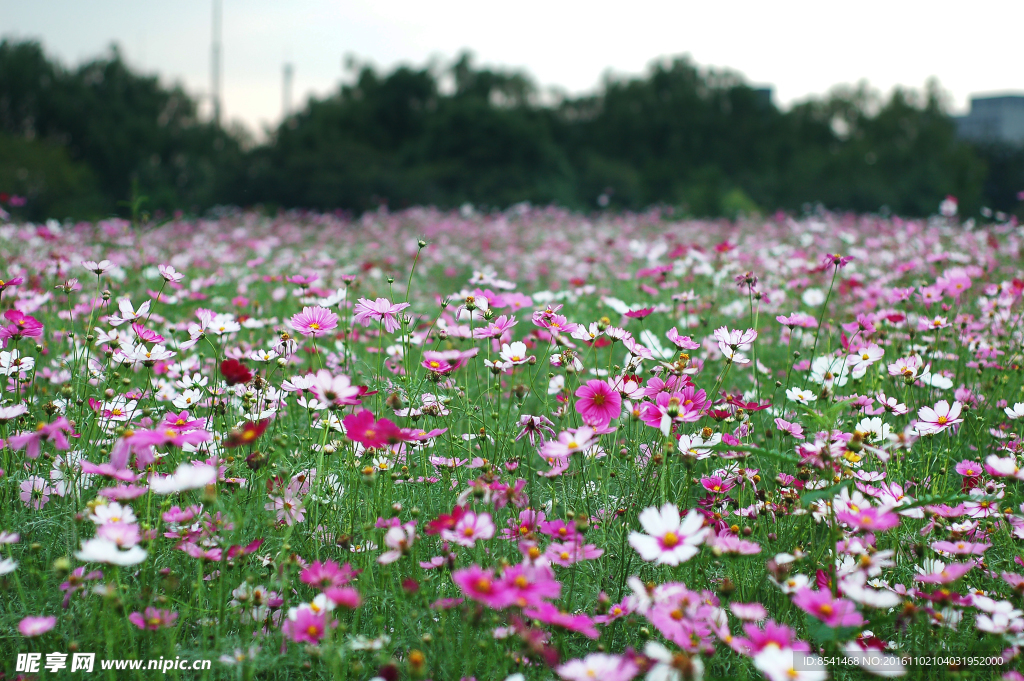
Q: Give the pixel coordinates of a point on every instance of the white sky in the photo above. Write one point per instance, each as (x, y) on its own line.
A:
(799, 47)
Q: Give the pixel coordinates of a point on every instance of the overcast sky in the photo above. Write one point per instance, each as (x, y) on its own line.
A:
(799, 47)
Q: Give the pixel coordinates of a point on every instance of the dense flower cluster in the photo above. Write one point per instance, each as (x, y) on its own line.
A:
(524, 445)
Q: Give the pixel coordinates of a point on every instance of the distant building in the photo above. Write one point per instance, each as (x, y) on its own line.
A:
(998, 118)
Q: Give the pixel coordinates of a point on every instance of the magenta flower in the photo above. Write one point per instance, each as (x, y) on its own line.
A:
(480, 585)
(345, 597)
(528, 585)
(21, 326)
(599, 403)
(381, 310)
(153, 619)
(328, 575)
(32, 442)
(869, 519)
(314, 321)
(835, 612)
(307, 627)
(36, 626)
(550, 614)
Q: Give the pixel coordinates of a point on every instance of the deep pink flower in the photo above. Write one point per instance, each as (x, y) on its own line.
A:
(370, 433)
(835, 612)
(314, 321)
(550, 614)
(21, 326)
(480, 585)
(328, 575)
(869, 519)
(307, 627)
(53, 432)
(526, 585)
(599, 403)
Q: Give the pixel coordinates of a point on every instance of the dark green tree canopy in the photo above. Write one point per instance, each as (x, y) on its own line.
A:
(82, 141)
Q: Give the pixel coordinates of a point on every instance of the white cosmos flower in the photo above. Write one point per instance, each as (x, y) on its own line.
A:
(99, 550)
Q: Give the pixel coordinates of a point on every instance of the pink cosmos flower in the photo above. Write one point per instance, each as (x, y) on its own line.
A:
(52, 432)
(751, 612)
(869, 519)
(960, 548)
(314, 321)
(289, 508)
(308, 626)
(495, 328)
(535, 427)
(1003, 467)
(793, 429)
(35, 493)
(381, 310)
(328, 575)
(170, 274)
(682, 342)
(399, 540)
(550, 614)
(526, 585)
(480, 585)
(345, 597)
(598, 403)
(21, 326)
(337, 390)
(937, 419)
(942, 573)
(568, 554)
(36, 626)
(153, 619)
(470, 527)
(729, 544)
(371, 434)
(835, 612)
(669, 541)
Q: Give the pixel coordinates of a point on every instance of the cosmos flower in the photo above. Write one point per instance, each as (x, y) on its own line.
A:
(669, 540)
(938, 418)
(598, 403)
(33, 626)
(380, 310)
(153, 619)
(314, 321)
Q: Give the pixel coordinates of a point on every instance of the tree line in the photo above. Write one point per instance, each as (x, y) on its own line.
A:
(100, 139)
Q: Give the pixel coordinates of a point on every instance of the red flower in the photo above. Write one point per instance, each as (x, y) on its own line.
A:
(445, 521)
(235, 372)
(248, 435)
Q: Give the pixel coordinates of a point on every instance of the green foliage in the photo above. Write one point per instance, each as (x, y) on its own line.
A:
(701, 140)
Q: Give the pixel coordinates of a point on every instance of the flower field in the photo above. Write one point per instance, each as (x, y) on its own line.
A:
(523, 445)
